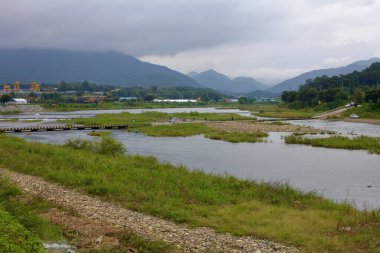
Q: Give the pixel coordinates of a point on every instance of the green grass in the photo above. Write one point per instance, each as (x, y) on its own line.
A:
(236, 136)
(210, 116)
(149, 117)
(174, 130)
(279, 111)
(371, 144)
(364, 112)
(142, 123)
(14, 237)
(9, 112)
(21, 227)
(190, 129)
(242, 207)
(100, 134)
(121, 118)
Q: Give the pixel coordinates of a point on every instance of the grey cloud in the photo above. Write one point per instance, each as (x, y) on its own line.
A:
(136, 27)
(269, 39)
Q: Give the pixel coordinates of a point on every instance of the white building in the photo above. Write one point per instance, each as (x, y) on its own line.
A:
(175, 100)
(18, 101)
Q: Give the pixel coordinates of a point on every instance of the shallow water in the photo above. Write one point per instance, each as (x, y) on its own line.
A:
(92, 113)
(343, 127)
(337, 174)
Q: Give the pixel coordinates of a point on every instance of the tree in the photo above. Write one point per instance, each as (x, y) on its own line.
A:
(308, 96)
(148, 98)
(359, 96)
(5, 98)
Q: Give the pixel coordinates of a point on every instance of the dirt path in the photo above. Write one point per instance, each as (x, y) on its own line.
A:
(336, 112)
(149, 227)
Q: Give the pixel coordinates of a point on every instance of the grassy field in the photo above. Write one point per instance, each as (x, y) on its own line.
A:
(363, 112)
(149, 117)
(21, 228)
(190, 129)
(273, 211)
(277, 111)
(371, 144)
(142, 123)
(122, 118)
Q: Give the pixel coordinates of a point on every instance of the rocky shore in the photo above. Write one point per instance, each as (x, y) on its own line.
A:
(186, 239)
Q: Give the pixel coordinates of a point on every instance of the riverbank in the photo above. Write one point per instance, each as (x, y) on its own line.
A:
(14, 109)
(31, 221)
(224, 203)
(371, 144)
(275, 126)
(361, 120)
(111, 219)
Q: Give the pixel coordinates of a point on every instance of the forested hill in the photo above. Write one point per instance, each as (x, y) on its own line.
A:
(295, 82)
(113, 68)
(369, 78)
(358, 86)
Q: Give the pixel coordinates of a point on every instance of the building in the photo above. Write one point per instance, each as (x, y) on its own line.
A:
(175, 100)
(121, 99)
(17, 101)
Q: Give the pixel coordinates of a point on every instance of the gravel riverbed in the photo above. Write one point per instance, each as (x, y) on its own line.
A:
(186, 239)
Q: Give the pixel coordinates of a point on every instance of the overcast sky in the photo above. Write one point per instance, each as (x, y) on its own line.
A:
(269, 40)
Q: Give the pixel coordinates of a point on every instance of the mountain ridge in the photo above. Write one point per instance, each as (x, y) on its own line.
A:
(218, 81)
(107, 67)
(294, 82)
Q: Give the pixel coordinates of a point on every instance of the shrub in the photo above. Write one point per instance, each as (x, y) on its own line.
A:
(106, 146)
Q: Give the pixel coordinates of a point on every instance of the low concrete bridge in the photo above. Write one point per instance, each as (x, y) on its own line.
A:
(59, 128)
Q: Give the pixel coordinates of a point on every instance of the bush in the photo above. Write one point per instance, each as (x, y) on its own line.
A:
(106, 146)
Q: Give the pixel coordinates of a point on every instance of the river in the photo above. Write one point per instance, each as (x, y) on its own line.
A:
(341, 175)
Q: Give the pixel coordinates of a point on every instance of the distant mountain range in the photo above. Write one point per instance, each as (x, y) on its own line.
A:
(53, 66)
(295, 82)
(220, 82)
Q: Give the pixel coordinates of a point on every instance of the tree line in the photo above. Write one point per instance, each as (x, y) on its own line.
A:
(357, 86)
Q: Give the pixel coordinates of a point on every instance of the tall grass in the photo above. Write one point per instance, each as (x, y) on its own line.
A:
(372, 144)
(279, 111)
(211, 116)
(14, 237)
(190, 129)
(106, 145)
(20, 225)
(149, 117)
(237, 136)
(364, 111)
(274, 211)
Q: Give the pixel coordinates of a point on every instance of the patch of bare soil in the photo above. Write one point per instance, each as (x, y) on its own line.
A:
(101, 219)
(86, 234)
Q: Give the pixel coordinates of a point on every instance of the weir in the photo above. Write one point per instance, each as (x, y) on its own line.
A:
(59, 128)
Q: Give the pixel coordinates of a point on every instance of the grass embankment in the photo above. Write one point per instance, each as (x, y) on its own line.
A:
(190, 129)
(276, 111)
(143, 123)
(21, 227)
(242, 207)
(372, 144)
(9, 112)
(364, 112)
